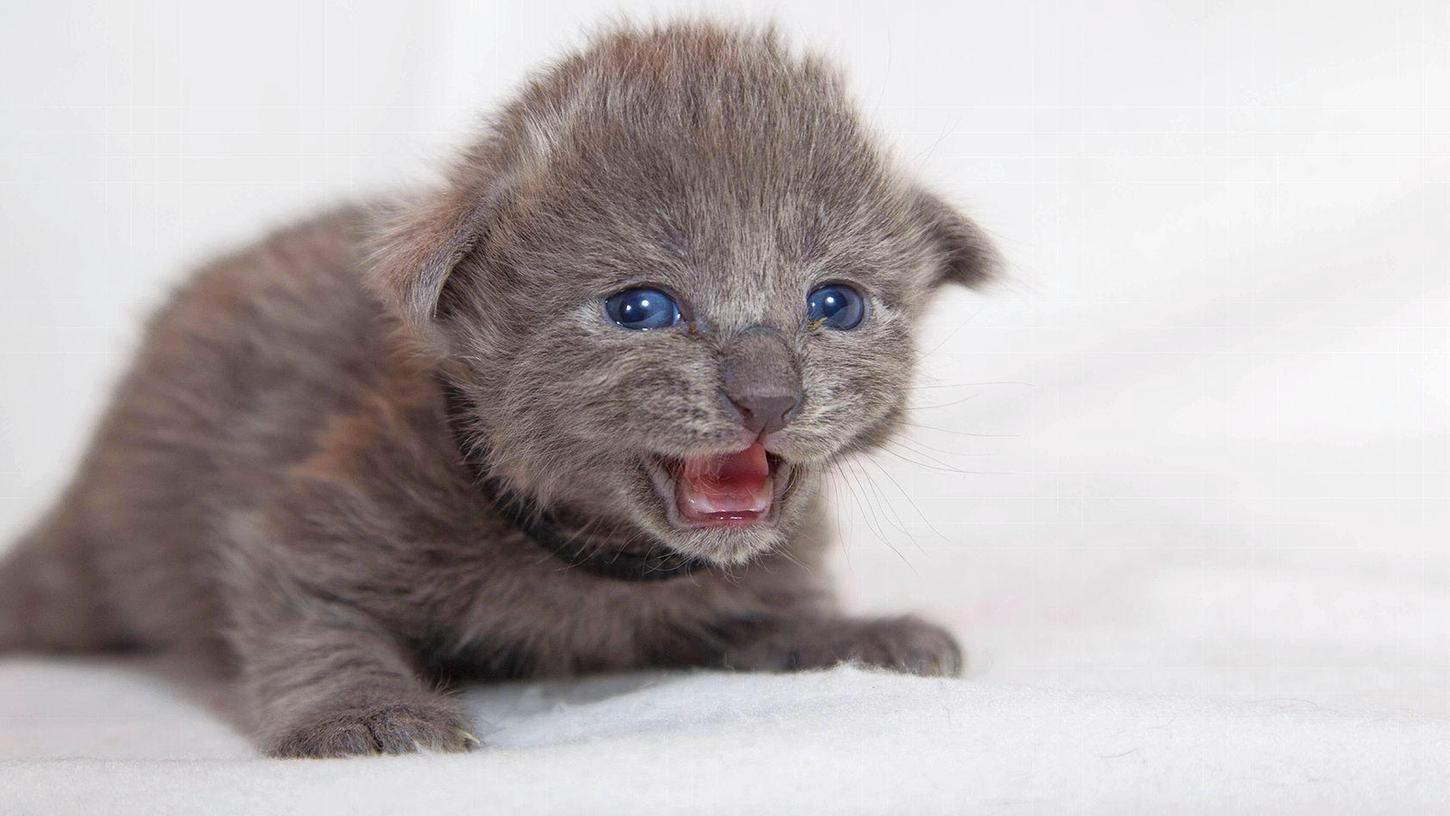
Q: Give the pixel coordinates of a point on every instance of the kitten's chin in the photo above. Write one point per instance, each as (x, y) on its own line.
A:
(725, 508)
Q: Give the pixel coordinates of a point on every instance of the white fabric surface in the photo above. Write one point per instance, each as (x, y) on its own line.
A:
(844, 741)
(1199, 561)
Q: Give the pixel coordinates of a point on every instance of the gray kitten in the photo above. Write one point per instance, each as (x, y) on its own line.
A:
(568, 413)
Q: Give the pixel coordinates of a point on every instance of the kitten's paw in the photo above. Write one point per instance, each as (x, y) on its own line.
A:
(903, 644)
(350, 729)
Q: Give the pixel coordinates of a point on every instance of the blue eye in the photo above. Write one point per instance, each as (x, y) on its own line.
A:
(836, 306)
(642, 309)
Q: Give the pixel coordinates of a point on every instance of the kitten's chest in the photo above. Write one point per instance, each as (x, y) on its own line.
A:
(578, 624)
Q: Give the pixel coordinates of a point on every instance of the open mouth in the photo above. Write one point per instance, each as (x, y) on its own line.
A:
(738, 489)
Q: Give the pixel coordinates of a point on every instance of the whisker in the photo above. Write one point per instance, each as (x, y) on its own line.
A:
(916, 444)
(962, 433)
(784, 553)
(865, 499)
(973, 384)
(892, 516)
(908, 498)
(890, 509)
(855, 498)
(836, 510)
(953, 332)
(951, 451)
(880, 534)
(944, 404)
(943, 466)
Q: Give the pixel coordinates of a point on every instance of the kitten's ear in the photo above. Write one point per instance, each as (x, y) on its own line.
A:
(418, 247)
(967, 255)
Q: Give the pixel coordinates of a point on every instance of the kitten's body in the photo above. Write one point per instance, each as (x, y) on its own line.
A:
(277, 486)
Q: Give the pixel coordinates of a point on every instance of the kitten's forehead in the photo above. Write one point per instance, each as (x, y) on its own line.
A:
(724, 168)
(714, 163)
(737, 250)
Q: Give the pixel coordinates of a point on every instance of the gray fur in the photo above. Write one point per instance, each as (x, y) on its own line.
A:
(274, 488)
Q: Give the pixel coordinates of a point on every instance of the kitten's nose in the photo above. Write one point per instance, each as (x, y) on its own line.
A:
(761, 380)
(764, 414)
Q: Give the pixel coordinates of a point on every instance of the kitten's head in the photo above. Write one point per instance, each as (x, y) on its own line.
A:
(677, 280)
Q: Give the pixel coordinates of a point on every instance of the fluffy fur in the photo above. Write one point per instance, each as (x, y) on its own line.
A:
(275, 487)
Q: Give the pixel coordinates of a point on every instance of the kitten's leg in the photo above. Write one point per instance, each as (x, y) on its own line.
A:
(904, 644)
(52, 597)
(327, 681)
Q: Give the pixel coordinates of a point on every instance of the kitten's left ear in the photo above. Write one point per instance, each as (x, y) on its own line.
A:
(967, 255)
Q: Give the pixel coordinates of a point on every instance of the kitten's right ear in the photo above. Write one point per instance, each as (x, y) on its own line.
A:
(418, 247)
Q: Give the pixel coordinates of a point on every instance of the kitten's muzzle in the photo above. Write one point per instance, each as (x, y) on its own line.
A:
(760, 380)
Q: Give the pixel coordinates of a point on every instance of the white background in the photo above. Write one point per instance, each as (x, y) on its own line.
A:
(1205, 419)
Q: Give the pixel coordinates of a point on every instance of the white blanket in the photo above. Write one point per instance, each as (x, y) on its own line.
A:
(1182, 485)
(844, 741)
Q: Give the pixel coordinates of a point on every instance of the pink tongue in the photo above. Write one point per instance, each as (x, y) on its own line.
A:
(732, 486)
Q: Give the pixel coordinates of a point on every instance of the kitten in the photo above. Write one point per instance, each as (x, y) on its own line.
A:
(568, 413)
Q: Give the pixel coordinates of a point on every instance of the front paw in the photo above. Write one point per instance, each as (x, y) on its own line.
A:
(904, 644)
(350, 728)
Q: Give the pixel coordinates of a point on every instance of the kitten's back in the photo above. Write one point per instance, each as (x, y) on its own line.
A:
(234, 379)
